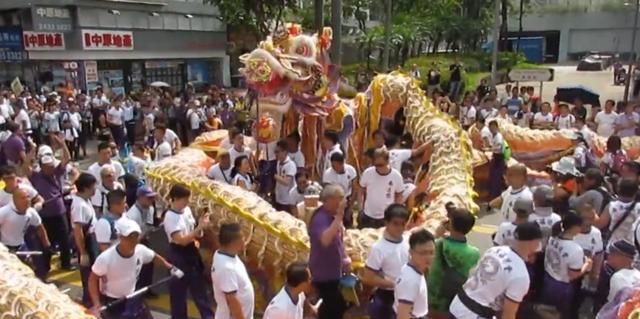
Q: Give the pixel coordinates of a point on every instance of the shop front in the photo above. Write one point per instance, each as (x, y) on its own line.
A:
(12, 54)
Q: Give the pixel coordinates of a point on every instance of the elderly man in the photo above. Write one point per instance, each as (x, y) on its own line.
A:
(47, 182)
(106, 183)
(328, 260)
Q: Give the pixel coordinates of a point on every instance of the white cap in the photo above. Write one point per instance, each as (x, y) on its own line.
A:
(47, 160)
(125, 226)
(45, 150)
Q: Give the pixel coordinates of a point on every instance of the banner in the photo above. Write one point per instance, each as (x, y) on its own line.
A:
(43, 41)
(11, 44)
(107, 40)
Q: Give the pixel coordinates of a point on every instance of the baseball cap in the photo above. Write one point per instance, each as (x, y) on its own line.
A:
(45, 150)
(125, 226)
(528, 231)
(47, 160)
(145, 191)
(625, 248)
(523, 205)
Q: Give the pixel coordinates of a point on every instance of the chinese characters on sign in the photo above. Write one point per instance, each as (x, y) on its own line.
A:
(51, 19)
(107, 40)
(34, 41)
(11, 44)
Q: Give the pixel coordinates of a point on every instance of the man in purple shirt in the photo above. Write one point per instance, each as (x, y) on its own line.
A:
(327, 259)
(47, 181)
(14, 148)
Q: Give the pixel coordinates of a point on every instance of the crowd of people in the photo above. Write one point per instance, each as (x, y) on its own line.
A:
(559, 244)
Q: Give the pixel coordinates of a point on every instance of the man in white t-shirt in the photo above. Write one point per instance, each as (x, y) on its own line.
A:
(232, 287)
(625, 274)
(605, 120)
(517, 180)
(161, 148)
(12, 182)
(344, 175)
(194, 119)
(397, 155)
(330, 144)
(284, 177)
(411, 287)
(291, 302)
(106, 235)
(115, 272)
(381, 187)
(104, 157)
(221, 171)
(138, 161)
(500, 281)
(83, 219)
(295, 154)
(544, 119)
(385, 261)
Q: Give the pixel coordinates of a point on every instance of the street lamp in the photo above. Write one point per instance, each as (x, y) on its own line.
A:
(627, 81)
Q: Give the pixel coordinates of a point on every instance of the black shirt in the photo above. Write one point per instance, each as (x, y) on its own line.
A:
(456, 72)
(433, 78)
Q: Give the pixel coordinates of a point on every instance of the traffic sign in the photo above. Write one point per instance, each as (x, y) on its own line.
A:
(531, 75)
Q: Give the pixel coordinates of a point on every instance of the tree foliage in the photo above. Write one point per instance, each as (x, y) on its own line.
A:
(258, 15)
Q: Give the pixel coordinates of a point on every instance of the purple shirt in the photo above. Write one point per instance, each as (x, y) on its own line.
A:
(325, 263)
(50, 189)
(12, 147)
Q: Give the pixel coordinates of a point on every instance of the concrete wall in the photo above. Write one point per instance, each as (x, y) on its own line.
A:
(580, 32)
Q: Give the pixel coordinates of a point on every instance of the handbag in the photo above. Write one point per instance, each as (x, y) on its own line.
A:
(452, 280)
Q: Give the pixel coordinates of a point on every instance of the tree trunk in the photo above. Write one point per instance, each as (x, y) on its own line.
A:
(336, 24)
(520, 25)
(387, 36)
(504, 13)
(318, 9)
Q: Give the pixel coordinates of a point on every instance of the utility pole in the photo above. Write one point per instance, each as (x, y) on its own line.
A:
(318, 10)
(336, 24)
(496, 41)
(627, 81)
(387, 37)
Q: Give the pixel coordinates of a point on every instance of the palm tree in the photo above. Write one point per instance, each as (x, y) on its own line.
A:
(336, 24)
(387, 36)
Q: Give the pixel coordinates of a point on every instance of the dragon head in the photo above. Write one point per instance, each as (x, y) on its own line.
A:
(290, 68)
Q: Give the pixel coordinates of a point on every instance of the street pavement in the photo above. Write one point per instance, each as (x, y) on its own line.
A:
(486, 223)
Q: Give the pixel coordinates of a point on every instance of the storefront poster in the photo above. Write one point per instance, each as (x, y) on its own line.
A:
(43, 41)
(11, 45)
(107, 40)
(112, 81)
(91, 71)
(55, 19)
(198, 72)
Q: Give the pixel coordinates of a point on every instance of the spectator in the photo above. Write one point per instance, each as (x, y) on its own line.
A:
(605, 120)
(627, 122)
(543, 120)
(161, 148)
(522, 207)
(455, 79)
(496, 145)
(104, 158)
(620, 258)
(284, 178)
(14, 149)
(221, 170)
(293, 147)
(613, 158)
(304, 187)
(327, 258)
(383, 185)
(515, 102)
(344, 175)
(330, 144)
(618, 217)
(107, 183)
(564, 173)
(565, 120)
(291, 302)
(579, 111)
(433, 79)
(241, 174)
(454, 259)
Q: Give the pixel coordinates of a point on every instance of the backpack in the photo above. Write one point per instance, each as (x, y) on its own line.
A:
(112, 224)
(617, 160)
(506, 151)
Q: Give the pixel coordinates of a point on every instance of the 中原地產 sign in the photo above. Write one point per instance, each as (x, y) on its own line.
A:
(107, 40)
(43, 41)
(531, 75)
(51, 19)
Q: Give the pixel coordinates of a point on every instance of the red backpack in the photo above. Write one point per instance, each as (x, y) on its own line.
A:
(617, 160)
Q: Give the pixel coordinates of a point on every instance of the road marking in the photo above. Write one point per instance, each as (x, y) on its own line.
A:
(485, 229)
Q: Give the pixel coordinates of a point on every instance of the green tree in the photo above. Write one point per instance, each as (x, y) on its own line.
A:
(258, 15)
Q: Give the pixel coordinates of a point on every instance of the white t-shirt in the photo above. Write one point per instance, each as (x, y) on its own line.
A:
(545, 218)
(485, 134)
(501, 273)
(505, 234)
(162, 151)
(381, 190)
(497, 143)
(218, 174)
(194, 119)
(233, 153)
(509, 197)
(114, 116)
(170, 136)
(411, 288)
(105, 232)
(297, 158)
(178, 222)
(397, 157)
(345, 179)
(282, 306)
(23, 120)
(288, 169)
(248, 184)
(407, 189)
(137, 165)
(13, 225)
(467, 115)
(229, 275)
(387, 257)
(540, 118)
(606, 123)
(590, 242)
(565, 122)
(119, 274)
(621, 279)
(327, 155)
(625, 231)
(51, 122)
(82, 212)
(94, 170)
(7, 198)
(99, 198)
(561, 256)
(142, 217)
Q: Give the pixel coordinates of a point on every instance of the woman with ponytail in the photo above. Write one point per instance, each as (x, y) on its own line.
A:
(241, 173)
(564, 263)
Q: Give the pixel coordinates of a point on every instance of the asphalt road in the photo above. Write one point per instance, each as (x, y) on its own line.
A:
(480, 237)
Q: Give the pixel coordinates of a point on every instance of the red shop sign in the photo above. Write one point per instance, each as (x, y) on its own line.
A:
(107, 40)
(43, 41)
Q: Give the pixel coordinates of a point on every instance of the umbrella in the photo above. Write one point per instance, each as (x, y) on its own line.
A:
(570, 93)
(160, 84)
